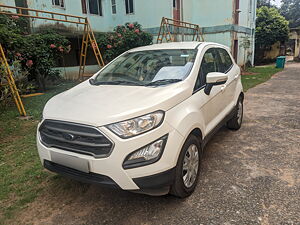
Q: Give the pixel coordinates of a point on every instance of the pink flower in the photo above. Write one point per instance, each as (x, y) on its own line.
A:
(131, 25)
(124, 30)
(137, 31)
(60, 48)
(29, 63)
(18, 54)
(15, 17)
(52, 46)
(119, 35)
(109, 46)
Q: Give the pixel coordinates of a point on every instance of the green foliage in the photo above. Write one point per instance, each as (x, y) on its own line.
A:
(40, 54)
(271, 27)
(37, 53)
(290, 9)
(123, 38)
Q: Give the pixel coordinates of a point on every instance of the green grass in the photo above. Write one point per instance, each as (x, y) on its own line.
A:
(22, 175)
(263, 74)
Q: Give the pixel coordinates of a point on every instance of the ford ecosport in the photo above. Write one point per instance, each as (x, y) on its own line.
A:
(142, 121)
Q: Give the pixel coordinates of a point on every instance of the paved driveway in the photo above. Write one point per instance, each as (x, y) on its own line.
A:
(249, 177)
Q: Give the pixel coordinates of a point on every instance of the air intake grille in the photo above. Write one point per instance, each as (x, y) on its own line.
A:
(74, 137)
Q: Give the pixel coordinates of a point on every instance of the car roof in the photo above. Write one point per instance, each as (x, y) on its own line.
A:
(175, 45)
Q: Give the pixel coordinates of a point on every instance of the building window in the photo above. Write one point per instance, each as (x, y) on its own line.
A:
(95, 7)
(113, 6)
(129, 6)
(59, 3)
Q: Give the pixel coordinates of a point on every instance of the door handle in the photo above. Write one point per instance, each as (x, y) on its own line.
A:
(236, 76)
(223, 87)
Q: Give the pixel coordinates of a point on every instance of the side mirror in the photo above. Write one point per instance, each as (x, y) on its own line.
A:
(214, 78)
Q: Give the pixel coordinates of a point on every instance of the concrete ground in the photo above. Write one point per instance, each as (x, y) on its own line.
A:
(251, 176)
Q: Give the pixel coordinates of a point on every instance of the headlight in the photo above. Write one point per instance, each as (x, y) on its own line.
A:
(136, 126)
(146, 155)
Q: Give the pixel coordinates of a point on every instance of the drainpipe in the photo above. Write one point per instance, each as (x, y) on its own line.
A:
(253, 35)
(181, 10)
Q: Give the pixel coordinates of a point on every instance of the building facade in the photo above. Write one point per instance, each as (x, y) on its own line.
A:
(229, 22)
(294, 43)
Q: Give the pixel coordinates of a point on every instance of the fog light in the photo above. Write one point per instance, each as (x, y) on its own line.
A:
(146, 155)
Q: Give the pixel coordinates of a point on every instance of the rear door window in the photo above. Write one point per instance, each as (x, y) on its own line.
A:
(224, 60)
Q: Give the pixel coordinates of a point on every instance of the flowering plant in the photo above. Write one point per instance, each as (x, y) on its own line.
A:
(123, 38)
(37, 53)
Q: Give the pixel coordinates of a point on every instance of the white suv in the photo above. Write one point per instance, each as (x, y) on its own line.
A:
(141, 123)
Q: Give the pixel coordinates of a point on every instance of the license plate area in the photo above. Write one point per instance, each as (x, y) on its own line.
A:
(70, 161)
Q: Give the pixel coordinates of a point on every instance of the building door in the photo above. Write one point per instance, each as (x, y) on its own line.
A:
(21, 3)
(176, 9)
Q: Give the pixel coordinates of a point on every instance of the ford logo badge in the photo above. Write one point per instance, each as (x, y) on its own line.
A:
(69, 137)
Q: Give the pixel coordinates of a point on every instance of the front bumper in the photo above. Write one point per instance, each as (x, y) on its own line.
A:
(109, 171)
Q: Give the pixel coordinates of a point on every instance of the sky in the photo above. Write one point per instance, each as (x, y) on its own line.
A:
(277, 2)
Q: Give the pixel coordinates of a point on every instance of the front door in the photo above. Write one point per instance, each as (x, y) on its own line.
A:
(210, 105)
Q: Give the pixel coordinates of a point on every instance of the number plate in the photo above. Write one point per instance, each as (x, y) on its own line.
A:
(70, 161)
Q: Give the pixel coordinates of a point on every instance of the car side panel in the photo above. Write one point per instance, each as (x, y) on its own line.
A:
(188, 115)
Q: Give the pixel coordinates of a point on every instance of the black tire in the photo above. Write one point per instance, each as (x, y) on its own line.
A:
(235, 122)
(179, 189)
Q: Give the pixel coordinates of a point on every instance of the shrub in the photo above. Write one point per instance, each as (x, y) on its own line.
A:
(36, 53)
(40, 54)
(123, 38)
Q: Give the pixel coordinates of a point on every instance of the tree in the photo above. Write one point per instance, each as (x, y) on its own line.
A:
(290, 9)
(271, 27)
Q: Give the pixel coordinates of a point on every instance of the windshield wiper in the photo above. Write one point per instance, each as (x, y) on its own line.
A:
(163, 82)
(118, 82)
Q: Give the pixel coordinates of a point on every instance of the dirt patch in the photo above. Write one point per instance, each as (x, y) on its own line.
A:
(248, 73)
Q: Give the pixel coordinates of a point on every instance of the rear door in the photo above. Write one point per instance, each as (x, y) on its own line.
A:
(226, 65)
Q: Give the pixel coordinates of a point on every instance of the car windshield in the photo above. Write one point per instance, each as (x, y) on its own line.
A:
(148, 68)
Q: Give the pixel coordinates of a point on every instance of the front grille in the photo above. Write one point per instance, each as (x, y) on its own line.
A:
(74, 137)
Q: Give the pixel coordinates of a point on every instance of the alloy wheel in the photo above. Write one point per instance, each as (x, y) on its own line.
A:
(190, 166)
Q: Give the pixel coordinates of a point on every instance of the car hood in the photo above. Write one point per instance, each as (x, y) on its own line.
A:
(105, 104)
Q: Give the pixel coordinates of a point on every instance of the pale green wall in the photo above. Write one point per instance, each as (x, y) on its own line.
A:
(208, 13)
